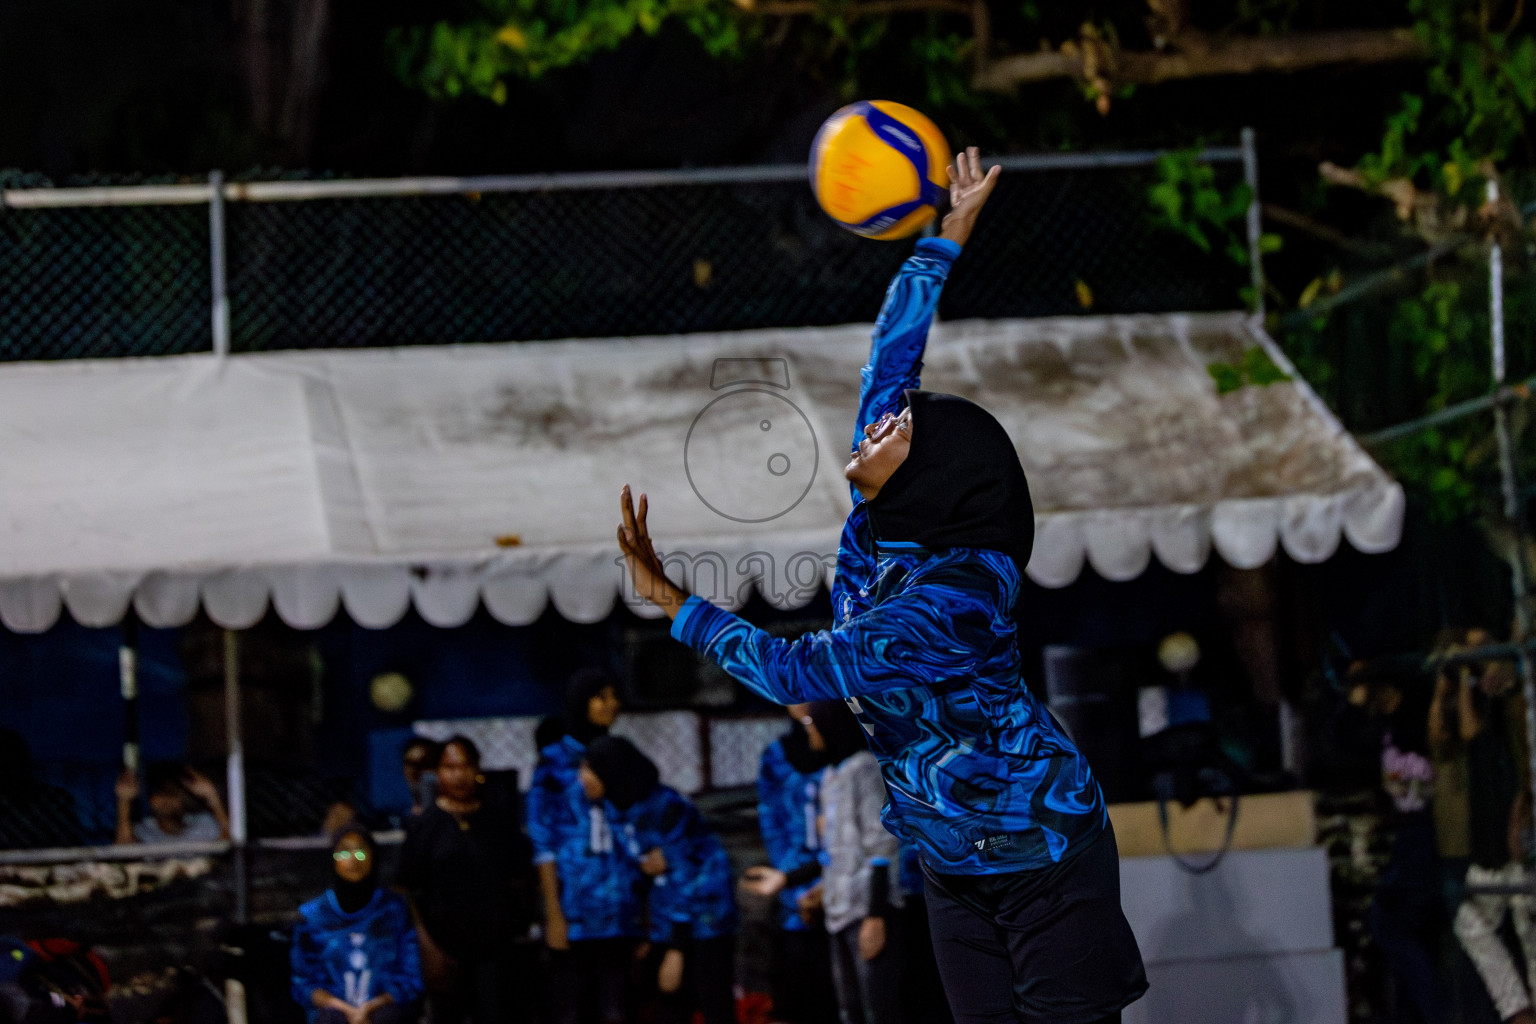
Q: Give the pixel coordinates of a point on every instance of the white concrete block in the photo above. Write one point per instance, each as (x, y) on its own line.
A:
(1286, 988)
(1254, 902)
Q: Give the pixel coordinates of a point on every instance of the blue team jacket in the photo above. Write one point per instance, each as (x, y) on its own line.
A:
(788, 804)
(695, 891)
(355, 956)
(599, 884)
(980, 776)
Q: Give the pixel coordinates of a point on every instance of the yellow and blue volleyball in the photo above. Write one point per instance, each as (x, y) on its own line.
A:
(880, 169)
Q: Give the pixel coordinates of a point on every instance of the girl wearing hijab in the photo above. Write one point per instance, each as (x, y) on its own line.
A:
(788, 814)
(691, 908)
(589, 884)
(1018, 856)
(354, 956)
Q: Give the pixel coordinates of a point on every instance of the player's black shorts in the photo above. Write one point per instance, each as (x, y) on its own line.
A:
(1040, 947)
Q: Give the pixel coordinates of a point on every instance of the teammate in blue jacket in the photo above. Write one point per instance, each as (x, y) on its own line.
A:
(788, 804)
(355, 957)
(1020, 863)
(590, 885)
(788, 812)
(692, 906)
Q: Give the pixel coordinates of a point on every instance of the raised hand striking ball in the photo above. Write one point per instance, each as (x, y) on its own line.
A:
(878, 169)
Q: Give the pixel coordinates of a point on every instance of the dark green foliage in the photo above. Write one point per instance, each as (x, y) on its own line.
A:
(1463, 125)
(1256, 369)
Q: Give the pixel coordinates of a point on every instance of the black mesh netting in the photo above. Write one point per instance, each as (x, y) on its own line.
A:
(569, 263)
(103, 281)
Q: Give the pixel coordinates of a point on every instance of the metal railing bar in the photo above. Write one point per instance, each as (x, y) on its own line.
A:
(1505, 395)
(1395, 276)
(126, 851)
(1094, 161)
(105, 195)
(385, 837)
(369, 188)
(166, 851)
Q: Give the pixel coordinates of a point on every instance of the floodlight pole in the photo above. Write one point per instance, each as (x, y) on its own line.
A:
(1255, 226)
(234, 774)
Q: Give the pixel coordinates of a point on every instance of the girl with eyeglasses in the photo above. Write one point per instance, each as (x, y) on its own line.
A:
(1018, 854)
(355, 957)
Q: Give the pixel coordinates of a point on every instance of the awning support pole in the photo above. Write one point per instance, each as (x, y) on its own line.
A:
(128, 685)
(234, 773)
(216, 264)
(1511, 486)
(1255, 226)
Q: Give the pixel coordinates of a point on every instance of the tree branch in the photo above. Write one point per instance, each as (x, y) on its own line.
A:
(1215, 56)
(858, 8)
(1301, 222)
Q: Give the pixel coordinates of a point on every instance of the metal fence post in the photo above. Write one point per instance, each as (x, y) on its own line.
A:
(234, 773)
(1511, 487)
(1255, 227)
(216, 264)
(128, 685)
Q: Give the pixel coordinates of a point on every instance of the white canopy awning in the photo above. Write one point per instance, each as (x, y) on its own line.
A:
(449, 476)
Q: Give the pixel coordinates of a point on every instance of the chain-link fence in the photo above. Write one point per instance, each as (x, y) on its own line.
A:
(67, 804)
(694, 752)
(557, 258)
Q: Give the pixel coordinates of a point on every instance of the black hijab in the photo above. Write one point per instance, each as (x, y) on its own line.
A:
(584, 685)
(354, 896)
(628, 775)
(551, 729)
(961, 485)
(797, 750)
(840, 730)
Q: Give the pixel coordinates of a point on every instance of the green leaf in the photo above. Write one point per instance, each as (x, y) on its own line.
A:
(1228, 378)
(1260, 370)
(1165, 196)
(1186, 200)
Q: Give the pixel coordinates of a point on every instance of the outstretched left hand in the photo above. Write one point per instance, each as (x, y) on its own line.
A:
(969, 190)
(645, 569)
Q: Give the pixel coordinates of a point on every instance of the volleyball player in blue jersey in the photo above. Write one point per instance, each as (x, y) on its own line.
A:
(1020, 864)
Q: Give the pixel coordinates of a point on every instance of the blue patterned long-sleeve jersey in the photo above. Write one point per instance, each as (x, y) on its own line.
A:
(694, 895)
(599, 884)
(355, 957)
(788, 804)
(980, 776)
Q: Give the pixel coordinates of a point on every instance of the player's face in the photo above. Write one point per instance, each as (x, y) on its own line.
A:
(456, 774)
(603, 707)
(590, 783)
(167, 803)
(353, 858)
(884, 447)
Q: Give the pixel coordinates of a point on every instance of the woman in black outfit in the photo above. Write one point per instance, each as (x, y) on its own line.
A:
(466, 864)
